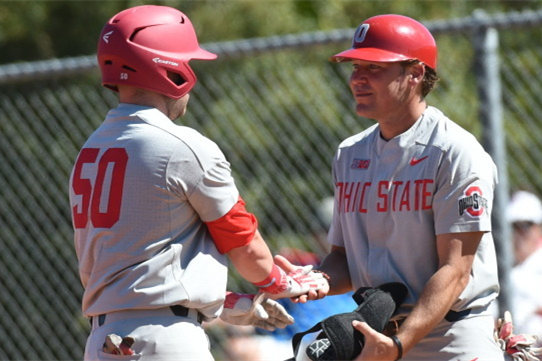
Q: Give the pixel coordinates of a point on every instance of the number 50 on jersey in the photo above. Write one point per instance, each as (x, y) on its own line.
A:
(101, 192)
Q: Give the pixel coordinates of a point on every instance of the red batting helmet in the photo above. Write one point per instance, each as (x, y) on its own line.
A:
(391, 38)
(149, 47)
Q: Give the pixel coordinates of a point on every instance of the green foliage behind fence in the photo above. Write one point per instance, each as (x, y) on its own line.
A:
(278, 115)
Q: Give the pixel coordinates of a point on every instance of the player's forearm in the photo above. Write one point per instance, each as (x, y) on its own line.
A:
(456, 254)
(336, 267)
(438, 296)
(253, 261)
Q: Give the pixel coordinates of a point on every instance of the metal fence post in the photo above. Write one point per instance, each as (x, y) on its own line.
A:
(486, 45)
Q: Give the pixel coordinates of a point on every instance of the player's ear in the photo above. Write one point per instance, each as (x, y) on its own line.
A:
(417, 72)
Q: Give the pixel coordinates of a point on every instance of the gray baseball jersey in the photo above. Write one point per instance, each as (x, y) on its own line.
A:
(140, 191)
(393, 197)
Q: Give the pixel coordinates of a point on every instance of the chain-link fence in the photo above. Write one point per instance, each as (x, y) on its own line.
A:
(278, 110)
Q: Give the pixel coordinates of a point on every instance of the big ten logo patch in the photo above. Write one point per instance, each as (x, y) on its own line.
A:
(360, 163)
(473, 202)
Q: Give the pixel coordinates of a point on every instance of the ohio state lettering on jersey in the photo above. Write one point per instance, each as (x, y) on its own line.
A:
(401, 196)
(394, 196)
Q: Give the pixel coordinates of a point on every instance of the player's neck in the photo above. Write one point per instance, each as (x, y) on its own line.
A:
(399, 121)
(133, 95)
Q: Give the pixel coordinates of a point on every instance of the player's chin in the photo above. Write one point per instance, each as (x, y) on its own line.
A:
(364, 110)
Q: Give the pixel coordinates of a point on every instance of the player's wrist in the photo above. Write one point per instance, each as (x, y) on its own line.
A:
(275, 282)
(232, 298)
(398, 345)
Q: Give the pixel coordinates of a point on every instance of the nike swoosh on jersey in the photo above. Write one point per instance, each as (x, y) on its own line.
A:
(415, 160)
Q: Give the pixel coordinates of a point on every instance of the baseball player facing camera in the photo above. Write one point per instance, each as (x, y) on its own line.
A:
(156, 213)
(412, 204)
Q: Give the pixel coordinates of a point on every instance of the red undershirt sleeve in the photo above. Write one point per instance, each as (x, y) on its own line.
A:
(234, 229)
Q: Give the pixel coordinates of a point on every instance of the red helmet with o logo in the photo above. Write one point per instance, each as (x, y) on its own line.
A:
(391, 38)
(149, 47)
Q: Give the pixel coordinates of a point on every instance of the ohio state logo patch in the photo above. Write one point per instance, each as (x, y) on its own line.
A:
(473, 203)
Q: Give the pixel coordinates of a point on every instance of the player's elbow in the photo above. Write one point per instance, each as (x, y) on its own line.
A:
(463, 281)
(461, 277)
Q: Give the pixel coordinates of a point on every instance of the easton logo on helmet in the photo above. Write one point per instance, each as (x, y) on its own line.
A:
(161, 61)
(106, 36)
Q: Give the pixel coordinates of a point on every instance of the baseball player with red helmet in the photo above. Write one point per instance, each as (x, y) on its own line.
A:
(155, 210)
(412, 204)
